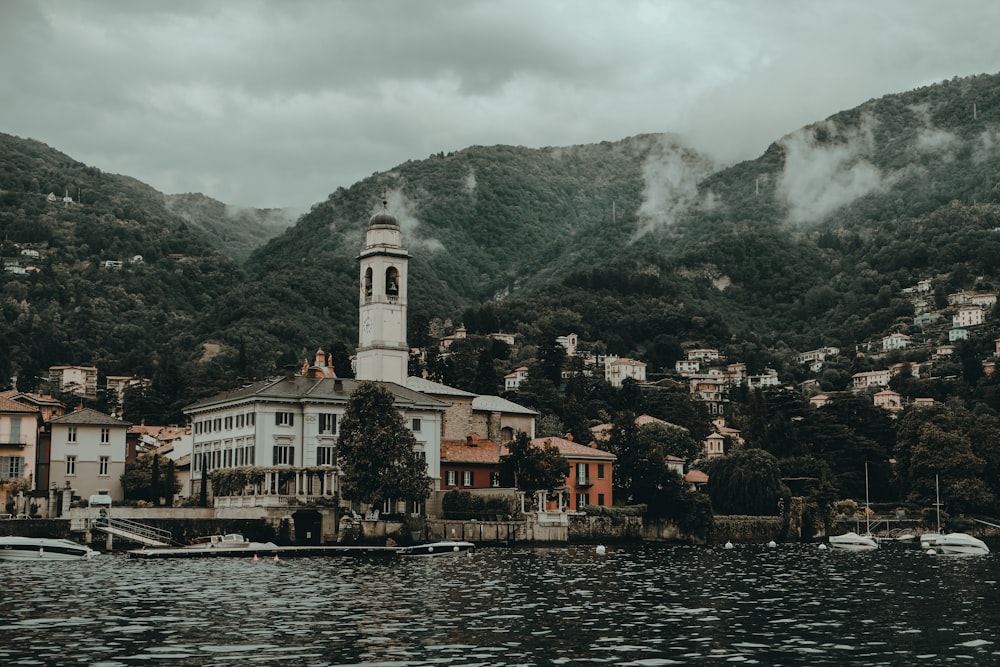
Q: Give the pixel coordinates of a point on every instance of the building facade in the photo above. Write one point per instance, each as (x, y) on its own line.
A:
(87, 452)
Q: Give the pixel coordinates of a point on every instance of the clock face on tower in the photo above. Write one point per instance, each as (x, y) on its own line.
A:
(368, 325)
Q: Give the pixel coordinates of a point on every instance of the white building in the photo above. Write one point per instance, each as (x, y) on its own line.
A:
(291, 423)
(512, 381)
(569, 342)
(895, 341)
(87, 452)
(621, 369)
(79, 380)
(968, 316)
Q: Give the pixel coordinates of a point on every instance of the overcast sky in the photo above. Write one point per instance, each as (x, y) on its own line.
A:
(278, 103)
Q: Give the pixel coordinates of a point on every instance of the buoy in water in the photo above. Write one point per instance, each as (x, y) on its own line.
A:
(275, 558)
(822, 547)
(601, 550)
(729, 545)
(771, 544)
(931, 552)
(256, 557)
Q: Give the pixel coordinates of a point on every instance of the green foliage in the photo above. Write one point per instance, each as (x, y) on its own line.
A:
(464, 505)
(377, 452)
(137, 481)
(747, 481)
(532, 467)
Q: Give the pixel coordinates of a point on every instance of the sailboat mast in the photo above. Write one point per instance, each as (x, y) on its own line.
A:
(868, 526)
(937, 502)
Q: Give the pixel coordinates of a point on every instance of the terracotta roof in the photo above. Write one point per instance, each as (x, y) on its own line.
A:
(8, 405)
(696, 477)
(470, 451)
(574, 450)
(38, 399)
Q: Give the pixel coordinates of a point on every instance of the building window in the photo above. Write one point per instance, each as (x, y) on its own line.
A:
(251, 419)
(600, 471)
(284, 455)
(11, 467)
(600, 500)
(239, 421)
(284, 419)
(495, 480)
(229, 423)
(217, 424)
(70, 465)
(466, 478)
(581, 501)
(327, 423)
(581, 474)
(450, 478)
(326, 456)
(105, 436)
(103, 466)
(71, 434)
(506, 434)
(416, 426)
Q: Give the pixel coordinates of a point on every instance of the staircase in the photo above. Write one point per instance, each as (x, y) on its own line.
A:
(133, 531)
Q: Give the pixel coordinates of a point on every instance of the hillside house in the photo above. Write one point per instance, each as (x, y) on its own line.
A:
(621, 369)
(704, 354)
(968, 316)
(888, 399)
(512, 381)
(460, 334)
(79, 380)
(895, 341)
(868, 379)
(957, 333)
(687, 366)
(819, 354)
(569, 343)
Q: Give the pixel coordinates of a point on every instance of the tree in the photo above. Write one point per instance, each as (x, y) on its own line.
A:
(643, 473)
(534, 468)
(377, 452)
(670, 439)
(747, 481)
(138, 484)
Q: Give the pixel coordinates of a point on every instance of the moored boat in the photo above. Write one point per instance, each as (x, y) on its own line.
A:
(853, 542)
(961, 544)
(43, 548)
(210, 546)
(437, 548)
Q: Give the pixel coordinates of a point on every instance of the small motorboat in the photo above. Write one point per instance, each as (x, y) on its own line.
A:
(210, 546)
(43, 548)
(961, 544)
(437, 548)
(853, 542)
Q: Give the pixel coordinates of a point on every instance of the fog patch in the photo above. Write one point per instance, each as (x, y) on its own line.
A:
(671, 173)
(985, 146)
(469, 185)
(404, 210)
(932, 139)
(822, 176)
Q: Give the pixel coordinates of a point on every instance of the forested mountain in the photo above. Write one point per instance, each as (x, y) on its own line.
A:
(639, 246)
(235, 232)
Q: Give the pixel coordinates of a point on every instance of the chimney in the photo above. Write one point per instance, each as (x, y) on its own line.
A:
(569, 436)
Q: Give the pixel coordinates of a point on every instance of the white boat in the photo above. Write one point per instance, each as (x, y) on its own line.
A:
(43, 548)
(210, 546)
(437, 548)
(853, 542)
(961, 544)
(929, 540)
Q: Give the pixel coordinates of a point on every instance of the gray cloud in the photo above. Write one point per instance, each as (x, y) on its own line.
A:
(268, 103)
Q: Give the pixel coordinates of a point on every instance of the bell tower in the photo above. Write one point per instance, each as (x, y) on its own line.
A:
(383, 354)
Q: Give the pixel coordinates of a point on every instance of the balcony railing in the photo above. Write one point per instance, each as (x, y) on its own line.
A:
(584, 481)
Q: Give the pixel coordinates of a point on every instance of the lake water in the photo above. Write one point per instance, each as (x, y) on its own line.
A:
(636, 605)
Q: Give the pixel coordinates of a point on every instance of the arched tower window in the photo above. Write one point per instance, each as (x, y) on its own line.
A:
(392, 281)
(368, 282)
